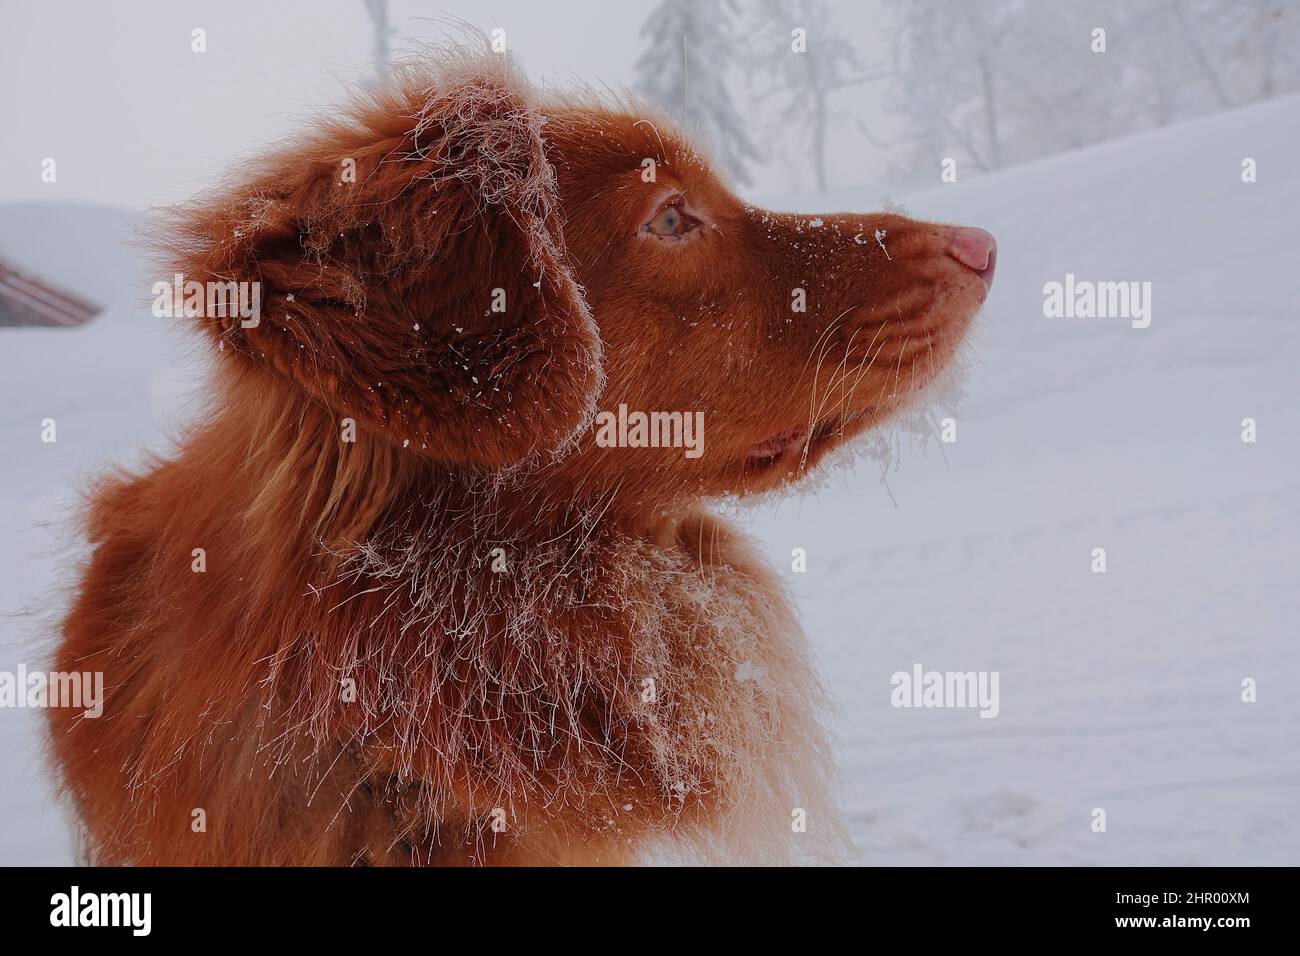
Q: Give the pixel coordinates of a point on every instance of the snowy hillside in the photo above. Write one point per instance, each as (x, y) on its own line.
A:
(1119, 690)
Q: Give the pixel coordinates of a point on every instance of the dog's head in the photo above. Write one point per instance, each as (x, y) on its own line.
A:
(786, 335)
(492, 282)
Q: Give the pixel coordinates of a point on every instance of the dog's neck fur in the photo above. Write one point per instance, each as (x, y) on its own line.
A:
(514, 648)
(365, 487)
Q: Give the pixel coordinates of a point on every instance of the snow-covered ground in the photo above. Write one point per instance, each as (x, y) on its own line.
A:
(1119, 691)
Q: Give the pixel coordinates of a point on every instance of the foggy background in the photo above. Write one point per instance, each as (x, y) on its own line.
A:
(135, 118)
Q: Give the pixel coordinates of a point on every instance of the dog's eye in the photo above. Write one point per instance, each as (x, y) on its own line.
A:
(671, 221)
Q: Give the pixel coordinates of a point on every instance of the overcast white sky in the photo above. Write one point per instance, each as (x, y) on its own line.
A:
(132, 117)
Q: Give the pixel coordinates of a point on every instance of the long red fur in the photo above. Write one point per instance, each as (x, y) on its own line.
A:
(472, 634)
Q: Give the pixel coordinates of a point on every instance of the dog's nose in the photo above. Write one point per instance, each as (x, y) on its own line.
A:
(975, 249)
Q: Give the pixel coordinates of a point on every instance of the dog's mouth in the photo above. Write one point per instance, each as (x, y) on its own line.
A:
(799, 448)
(777, 445)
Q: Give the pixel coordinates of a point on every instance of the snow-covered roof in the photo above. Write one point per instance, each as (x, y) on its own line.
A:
(25, 300)
(79, 249)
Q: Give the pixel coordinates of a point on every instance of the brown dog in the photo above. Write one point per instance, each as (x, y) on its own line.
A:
(405, 597)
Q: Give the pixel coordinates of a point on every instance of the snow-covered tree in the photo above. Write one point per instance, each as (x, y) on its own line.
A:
(1004, 81)
(686, 68)
(805, 59)
(951, 82)
(1230, 54)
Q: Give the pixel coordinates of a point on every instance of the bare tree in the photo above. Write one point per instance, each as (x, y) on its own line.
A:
(949, 82)
(1005, 81)
(686, 69)
(807, 60)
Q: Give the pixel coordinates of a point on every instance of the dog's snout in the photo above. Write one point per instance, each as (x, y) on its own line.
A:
(975, 249)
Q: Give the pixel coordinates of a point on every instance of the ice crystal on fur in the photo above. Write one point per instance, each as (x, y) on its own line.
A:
(439, 623)
(597, 670)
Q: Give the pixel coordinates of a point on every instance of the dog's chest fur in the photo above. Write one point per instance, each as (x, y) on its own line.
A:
(600, 681)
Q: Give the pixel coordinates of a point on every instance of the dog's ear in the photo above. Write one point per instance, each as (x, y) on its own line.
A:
(412, 272)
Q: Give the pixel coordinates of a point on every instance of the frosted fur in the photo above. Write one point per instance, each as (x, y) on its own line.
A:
(453, 140)
(437, 622)
(540, 724)
(478, 122)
